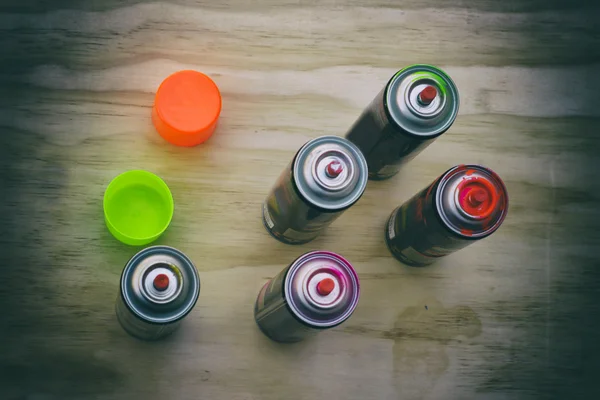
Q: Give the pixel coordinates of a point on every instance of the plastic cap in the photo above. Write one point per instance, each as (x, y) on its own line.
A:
(186, 108)
(138, 207)
(325, 287)
(427, 95)
(334, 168)
(161, 282)
(477, 197)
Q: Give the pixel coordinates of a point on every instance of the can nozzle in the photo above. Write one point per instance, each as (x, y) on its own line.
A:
(476, 197)
(161, 282)
(325, 287)
(427, 95)
(334, 168)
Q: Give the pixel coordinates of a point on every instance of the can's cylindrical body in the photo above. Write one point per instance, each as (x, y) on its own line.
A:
(326, 176)
(418, 104)
(465, 204)
(319, 290)
(159, 287)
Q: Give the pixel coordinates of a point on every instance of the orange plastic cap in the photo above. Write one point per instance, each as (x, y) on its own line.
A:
(186, 108)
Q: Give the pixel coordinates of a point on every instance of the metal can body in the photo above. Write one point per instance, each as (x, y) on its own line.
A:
(465, 204)
(418, 104)
(159, 287)
(319, 290)
(327, 176)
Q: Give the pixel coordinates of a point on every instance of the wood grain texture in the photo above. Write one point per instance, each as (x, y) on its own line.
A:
(511, 317)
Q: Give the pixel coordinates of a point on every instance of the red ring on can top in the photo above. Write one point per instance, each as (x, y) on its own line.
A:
(477, 196)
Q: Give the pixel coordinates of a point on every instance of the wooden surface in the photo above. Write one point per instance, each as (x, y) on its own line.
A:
(514, 316)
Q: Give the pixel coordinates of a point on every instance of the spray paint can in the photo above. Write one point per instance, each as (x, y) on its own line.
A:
(159, 287)
(327, 176)
(418, 104)
(318, 291)
(465, 204)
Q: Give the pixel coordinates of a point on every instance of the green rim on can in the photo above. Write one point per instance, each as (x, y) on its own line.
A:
(403, 105)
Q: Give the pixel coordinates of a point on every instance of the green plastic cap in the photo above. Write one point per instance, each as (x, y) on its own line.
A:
(138, 207)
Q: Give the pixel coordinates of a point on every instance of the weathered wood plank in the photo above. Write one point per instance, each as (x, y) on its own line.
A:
(302, 36)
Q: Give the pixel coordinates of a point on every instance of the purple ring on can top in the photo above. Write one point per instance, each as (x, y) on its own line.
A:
(326, 311)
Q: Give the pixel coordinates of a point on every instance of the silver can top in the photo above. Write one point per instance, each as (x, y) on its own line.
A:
(422, 100)
(160, 284)
(472, 200)
(322, 289)
(330, 172)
